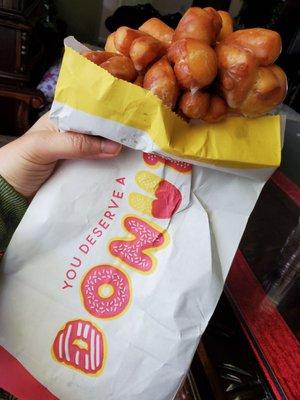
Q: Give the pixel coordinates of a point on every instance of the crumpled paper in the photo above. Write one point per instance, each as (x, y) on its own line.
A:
(90, 100)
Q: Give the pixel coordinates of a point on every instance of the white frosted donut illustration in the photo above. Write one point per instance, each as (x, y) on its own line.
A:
(105, 291)
(80, 345)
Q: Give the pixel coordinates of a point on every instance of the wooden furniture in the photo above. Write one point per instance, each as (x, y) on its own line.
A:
(21, 102)
(21, 65)
(20, 46)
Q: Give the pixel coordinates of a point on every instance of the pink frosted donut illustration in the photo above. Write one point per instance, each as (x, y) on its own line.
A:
(133, 251)
(80, 345)
(154, 160)
(105, 291)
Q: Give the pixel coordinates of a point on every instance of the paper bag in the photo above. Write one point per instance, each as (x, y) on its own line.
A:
(115, 270)
(117, 266)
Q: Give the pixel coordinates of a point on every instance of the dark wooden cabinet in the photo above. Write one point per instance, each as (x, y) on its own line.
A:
(14, 51)
(16, 5)
(20, 46)
(21, 61)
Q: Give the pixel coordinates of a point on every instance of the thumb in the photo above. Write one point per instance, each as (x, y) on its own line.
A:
(71, 145)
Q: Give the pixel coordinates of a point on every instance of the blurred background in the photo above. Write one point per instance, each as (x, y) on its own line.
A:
(32, 32)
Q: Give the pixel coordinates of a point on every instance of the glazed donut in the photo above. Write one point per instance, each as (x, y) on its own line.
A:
(123, 38)
(267, 92)
(200, 24)
(139, 80)
(217, 109)
(110, 44)
(145, 50)
(208, 107)
(159, 30)
(160, 80)
(202, 48)
(249, 82)
(98, 57)
(195, 63)
(105, 291)
(263, 44)
(194, 105)
(80, 345)
(121, 67)
(227, 25)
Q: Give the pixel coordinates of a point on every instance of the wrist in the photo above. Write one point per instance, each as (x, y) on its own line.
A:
(12, 209)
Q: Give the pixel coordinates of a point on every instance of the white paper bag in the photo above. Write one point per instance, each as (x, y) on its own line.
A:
(115, 270)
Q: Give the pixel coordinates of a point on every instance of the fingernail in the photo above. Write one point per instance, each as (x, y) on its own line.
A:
(110, 147)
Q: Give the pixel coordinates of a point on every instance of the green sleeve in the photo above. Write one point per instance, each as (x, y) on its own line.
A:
(12, 209)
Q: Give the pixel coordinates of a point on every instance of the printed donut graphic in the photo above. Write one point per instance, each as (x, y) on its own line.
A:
(165, 197)
(105, 291)
(153, 160)
(136, 249)
(80, 345)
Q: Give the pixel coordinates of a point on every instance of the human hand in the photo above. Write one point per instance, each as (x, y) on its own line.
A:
(27, 162)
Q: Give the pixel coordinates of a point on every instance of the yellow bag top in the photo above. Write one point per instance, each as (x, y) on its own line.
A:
(234, 142)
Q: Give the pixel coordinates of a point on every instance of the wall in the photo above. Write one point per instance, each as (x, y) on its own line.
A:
(163, 6)
(83, 18)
